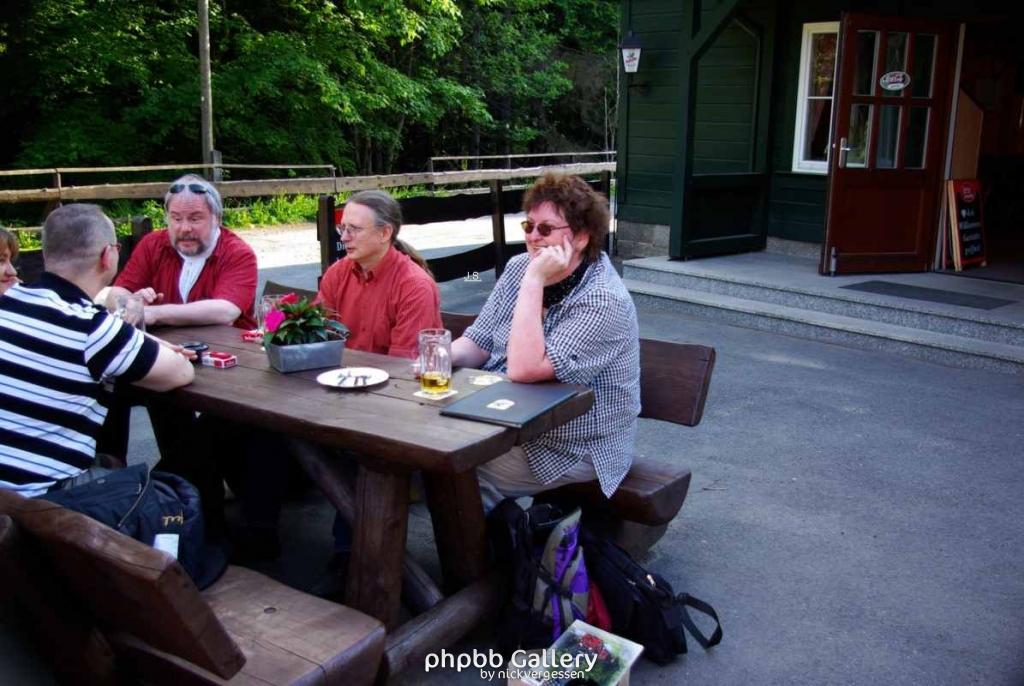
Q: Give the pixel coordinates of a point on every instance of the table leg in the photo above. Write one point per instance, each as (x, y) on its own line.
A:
(381, 520)
(419, 592)
(460, 529)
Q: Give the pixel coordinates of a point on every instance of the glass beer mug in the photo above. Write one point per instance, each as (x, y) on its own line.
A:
(435, 361)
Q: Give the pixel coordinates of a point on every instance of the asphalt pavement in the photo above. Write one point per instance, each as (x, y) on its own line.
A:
(854, 516)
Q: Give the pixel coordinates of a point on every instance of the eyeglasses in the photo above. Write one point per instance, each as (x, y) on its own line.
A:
(194, 187)
(542, 228)
(352, 230)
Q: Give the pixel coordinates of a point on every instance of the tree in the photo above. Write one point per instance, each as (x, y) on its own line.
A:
(368, 85)
(343, 84)
(82, 71)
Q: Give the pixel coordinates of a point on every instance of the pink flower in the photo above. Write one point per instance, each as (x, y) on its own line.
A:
(274, 319)
(289, 299)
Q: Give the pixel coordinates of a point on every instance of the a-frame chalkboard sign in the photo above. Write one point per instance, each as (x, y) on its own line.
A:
(967, 233)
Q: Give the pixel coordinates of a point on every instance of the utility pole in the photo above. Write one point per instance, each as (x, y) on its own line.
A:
(206, 95)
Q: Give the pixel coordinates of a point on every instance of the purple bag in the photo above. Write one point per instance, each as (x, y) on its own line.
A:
(546, 579)
(563, 589)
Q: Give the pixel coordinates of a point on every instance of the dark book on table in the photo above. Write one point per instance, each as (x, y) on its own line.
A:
(510, 404)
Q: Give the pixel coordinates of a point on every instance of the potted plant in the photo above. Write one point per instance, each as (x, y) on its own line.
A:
(301, 335)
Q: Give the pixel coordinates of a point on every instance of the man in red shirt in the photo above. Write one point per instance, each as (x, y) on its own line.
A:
(196, 272)
(382, 290)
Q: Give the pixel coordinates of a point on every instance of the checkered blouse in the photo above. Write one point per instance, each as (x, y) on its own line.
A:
(591, 338)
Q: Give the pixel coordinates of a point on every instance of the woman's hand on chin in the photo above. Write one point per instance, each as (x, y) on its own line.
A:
(550, 264)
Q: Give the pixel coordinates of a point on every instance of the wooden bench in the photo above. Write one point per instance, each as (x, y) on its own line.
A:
(48, 615)
(246, 628)
(674, 380)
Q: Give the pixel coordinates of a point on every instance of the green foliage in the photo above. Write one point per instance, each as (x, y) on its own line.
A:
(371, 86)
(281, 209)
(89, 76)
(268, 212)
(122, 212)
(29, 240)
(292, 209)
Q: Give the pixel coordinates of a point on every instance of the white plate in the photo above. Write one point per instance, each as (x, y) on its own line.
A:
(352, 377)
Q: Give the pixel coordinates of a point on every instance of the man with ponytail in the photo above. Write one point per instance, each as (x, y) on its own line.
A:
(382, 290)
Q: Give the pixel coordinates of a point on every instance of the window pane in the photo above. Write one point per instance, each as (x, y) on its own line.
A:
(888, 137)
(823, 64)
(895, 58)
(864, 77)
(924, 65)
(917, 136)
(819, 118)
(860, 135)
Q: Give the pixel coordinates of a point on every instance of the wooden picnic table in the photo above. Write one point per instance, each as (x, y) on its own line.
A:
(393, 432)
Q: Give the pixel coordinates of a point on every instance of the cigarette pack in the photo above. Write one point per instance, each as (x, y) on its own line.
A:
(252, 336)
(218, 359)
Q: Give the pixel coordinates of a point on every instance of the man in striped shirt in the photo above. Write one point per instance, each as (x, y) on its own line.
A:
(59, 355)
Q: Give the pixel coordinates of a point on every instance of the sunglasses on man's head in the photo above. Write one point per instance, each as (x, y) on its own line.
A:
(543, 229)
(194, 187)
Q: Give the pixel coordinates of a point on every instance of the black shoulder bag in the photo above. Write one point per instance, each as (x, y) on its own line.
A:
(642, 605)
(142, 505)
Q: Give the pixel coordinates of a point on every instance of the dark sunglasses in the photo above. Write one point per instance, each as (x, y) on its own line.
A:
(542, 228)
(194, 187)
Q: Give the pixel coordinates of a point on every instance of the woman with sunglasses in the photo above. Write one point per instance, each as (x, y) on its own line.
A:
(561, 312)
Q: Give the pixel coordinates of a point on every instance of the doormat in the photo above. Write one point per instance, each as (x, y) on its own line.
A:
(933, 295)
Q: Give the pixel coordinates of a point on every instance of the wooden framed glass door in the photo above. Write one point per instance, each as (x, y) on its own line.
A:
(890, 117)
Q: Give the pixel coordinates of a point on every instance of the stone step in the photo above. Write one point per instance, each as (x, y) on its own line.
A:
(943, 348)
(903, 312)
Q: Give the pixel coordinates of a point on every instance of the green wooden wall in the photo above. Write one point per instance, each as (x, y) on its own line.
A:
(723, 130)
(723, 137)
(649, 113)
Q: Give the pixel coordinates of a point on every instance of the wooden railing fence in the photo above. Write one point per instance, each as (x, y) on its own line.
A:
(417, 210)
(262, 187)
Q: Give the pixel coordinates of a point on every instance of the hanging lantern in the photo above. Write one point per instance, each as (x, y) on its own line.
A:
(630, 48)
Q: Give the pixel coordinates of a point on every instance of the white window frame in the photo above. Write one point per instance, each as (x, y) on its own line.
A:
(800, 130)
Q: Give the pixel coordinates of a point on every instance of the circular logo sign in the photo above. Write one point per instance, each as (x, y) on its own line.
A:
(894, 80)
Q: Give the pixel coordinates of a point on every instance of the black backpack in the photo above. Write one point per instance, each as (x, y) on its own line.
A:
(642, 605)
(528, 545)
(143, 505)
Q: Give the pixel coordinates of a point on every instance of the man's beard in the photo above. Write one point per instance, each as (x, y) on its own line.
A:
(201, 245)
(198, 249)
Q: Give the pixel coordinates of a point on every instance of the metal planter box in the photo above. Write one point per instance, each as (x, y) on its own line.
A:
(297, 358)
